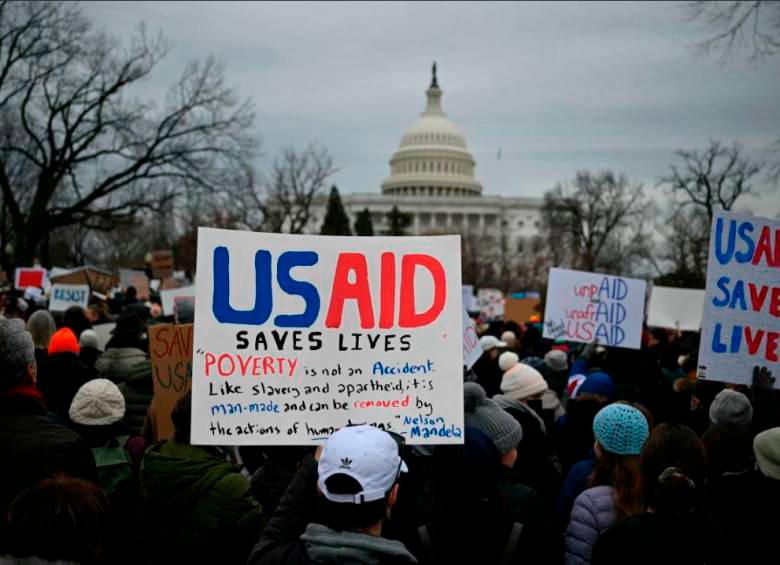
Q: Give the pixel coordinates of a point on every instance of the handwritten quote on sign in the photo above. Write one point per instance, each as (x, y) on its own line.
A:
(298, 336)
(741, 322)
(585, 307)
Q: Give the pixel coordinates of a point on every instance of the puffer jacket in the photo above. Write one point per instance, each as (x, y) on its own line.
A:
(138, 390)
(593, 513)
(117, 364)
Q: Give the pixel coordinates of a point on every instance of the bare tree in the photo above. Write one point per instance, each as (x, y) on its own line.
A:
(597, 224)
(93, 156)
(738, 25)
(282, 203)
(686, 233)
(712, 179)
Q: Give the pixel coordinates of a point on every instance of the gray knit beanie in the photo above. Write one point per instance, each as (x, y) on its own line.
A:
(16, 352)
(496, 423)
(732, 407)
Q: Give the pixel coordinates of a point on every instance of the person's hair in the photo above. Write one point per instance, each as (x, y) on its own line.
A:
(729, 449)
(181, 418)
(346, 516)
(76, 320)
(58, 519)
(674, 468)
(16, 352)
(41, 327)
(622, 473)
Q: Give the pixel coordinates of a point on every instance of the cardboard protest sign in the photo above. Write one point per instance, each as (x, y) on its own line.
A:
(29, 276)
(162, 264)
(472, 349)
(98, 280)
(585, 307)
(298, 336)
(741, 322)
(521, 309)
(168, 297)
(170, 350)
(675, 308)
(63, 296)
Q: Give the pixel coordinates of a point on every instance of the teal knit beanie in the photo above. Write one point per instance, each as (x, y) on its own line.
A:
(621, 429)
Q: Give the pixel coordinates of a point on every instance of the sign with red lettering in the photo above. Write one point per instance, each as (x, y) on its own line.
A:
(472, 349)
(741, 323)
(585, 307)
(298, 336)
(170, 350)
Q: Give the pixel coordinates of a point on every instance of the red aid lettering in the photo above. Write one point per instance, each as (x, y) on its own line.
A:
(771, 346)
(753, 342)
(407, 317)
(387, 291)
(774, 302)
(757, 298)
(765, 248)
(344, 290)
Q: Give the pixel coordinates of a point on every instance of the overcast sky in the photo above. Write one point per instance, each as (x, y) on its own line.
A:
(556, 86)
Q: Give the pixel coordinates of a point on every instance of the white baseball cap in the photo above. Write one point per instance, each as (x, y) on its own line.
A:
(368, 455)
(489, 342)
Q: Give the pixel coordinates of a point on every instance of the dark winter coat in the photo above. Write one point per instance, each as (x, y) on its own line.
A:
(117, 364)
(62, 378)
(34, 446)
(489, 374)
(138, 390)
(270, 481)
(199, 509)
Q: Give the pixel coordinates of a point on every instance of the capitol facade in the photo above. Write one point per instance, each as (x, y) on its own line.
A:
(432, 179)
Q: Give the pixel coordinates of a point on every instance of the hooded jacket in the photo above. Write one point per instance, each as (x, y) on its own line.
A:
(138, 390)
(199, 507)
(119, 363)
(593, 513)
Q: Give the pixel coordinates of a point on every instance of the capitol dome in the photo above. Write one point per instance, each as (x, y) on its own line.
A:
(432, 159)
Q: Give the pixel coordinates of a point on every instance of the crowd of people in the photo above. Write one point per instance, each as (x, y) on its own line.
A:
(571, 454)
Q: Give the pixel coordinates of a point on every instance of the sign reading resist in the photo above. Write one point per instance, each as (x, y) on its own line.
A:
(298, 336)
(63, 296)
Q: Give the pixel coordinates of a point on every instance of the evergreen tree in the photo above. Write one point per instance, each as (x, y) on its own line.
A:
(336, 220)
(397, 221)
(363, 224)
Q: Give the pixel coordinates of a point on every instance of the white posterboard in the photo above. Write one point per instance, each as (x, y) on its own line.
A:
(472, 349)
(63, 296)
(491, 304)
(585, 307)
(298, 336)
(469, 300)
(675, 308)
(168, 297)
(741, 323)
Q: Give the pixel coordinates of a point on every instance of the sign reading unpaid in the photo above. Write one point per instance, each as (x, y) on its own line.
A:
(298, 336)
(585, 307)
(741, 324)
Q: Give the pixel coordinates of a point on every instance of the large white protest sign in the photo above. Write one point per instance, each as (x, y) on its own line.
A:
(63, 296)
(675, 308)
(298, 336)
(168, 297)
(741, 323)
(585, 307)
(472, 349)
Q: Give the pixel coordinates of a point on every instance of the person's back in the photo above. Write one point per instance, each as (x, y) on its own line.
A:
(138, 391)
(34, 446)
(65, 373)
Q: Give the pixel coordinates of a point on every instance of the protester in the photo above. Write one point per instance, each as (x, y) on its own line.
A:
(41, 327)
(557, 373)
(486, 368)
(58, 520)
(730, 406)
(34, 446)
(674, 530)
(270, 480)
(615, 491)
(89, 345)
(198, 506)
(64, 374)
(351, 490)
(76, 319)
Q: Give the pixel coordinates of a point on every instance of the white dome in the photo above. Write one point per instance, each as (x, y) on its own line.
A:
(432, 158)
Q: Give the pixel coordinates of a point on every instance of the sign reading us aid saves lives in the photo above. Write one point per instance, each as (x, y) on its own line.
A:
(298, 336)
(741, 323)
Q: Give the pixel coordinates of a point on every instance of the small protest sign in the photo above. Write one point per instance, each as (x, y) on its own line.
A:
(469, 300)
(741, 321)
(472, 349)
(491, 304)
(63, 296)
(585, 307)
(162, 264)
(298, 336)
(520, 310)
(170, 350)
(168, 297)
(675, 308)
(29, 276)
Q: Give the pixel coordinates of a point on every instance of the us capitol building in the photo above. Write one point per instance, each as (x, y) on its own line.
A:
(432, 179)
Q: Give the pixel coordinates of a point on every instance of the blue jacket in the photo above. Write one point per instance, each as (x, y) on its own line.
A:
(593, 513)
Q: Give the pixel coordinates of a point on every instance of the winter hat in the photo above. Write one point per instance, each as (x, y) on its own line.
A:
(64, 341)
(483, 413)
(489, 342)
(556, 360)
(89, 339)
(16, 352)
(621, 429)
(597, 383)
(521, 381)
(766, 447)
(97, 403)
(507, 360)
(509, 337)
(730, 406)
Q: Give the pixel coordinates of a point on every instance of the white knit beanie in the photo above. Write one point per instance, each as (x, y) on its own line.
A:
(97, 403)
(521, 381)
(507, 360)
